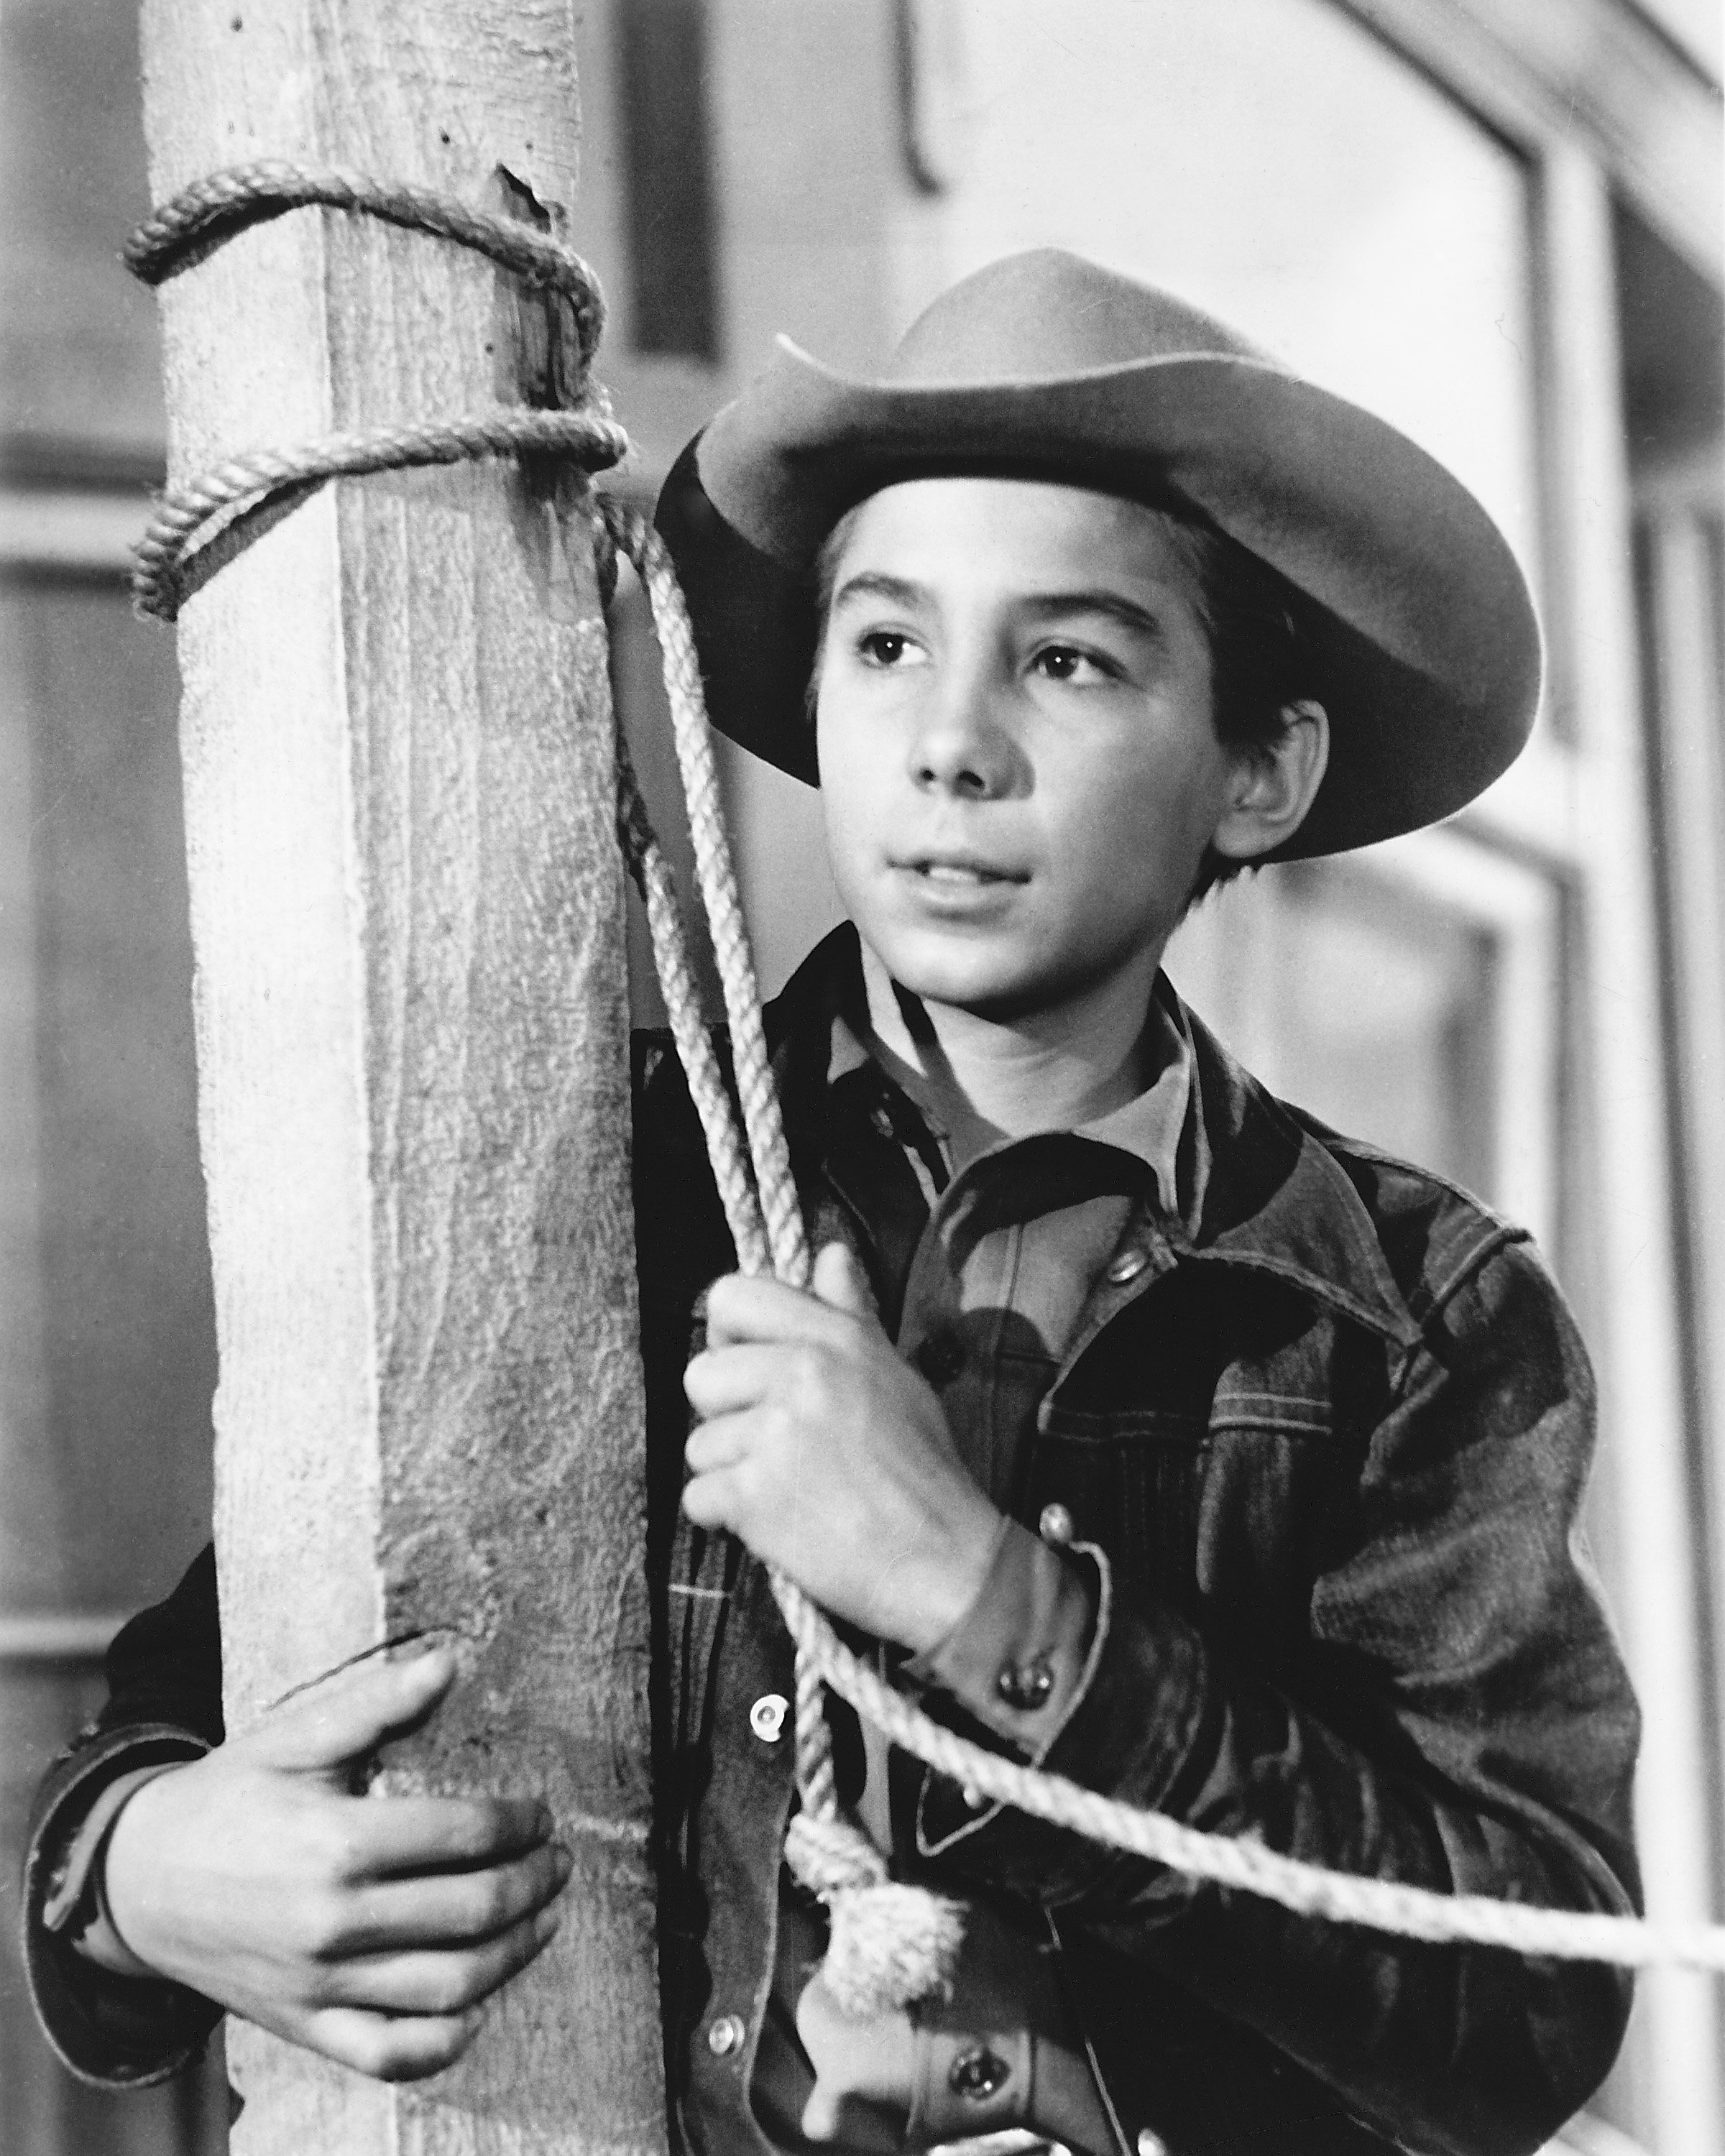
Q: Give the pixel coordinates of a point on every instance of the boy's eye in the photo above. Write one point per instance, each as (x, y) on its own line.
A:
(884, 647)
(1063, 662)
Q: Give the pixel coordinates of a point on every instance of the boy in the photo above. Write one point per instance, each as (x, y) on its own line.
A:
(1155, 1433)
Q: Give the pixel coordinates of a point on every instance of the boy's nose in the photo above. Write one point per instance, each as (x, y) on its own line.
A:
(960, 745)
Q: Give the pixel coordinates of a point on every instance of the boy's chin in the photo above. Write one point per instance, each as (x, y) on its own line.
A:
(982, 984)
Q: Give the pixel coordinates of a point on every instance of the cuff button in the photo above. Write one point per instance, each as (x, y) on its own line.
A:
(1056, 1525)
(1127, 1266)
(978, 2073)
(1025, 1686)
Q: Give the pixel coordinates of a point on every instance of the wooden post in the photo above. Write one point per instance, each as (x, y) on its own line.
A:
(407, 921)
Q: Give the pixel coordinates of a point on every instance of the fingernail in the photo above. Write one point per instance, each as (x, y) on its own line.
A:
(545, 1924)
(562, 1862)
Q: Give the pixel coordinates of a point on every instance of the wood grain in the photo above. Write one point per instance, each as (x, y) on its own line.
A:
(407, 924)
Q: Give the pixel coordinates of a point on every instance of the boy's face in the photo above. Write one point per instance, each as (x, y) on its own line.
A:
(1017, 764)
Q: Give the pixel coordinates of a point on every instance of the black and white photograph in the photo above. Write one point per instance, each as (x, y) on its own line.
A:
(862, 1078)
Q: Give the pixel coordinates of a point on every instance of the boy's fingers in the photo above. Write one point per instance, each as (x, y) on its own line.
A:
(448, 1908)
(710, 1500)
(350, 1712)
(744, 1306)
(391, 2048)
(717, 1444)
(390, 1837)
(722, 1380)
(821, 2114)
(840, 1282)
(446, 1982)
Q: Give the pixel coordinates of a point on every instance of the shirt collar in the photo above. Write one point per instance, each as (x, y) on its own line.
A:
(1156, 1126)
(1271, 1195)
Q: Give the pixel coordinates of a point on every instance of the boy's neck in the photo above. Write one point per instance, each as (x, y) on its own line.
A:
(993, 1078)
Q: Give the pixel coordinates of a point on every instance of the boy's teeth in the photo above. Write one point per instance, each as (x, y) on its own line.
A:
(949, 872)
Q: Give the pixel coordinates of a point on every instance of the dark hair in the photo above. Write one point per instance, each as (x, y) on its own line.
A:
(1261, 659)
(1253, 621)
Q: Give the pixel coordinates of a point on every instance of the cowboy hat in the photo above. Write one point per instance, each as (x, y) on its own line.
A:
(1426, 649)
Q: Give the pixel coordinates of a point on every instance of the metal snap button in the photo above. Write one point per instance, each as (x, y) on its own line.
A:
(1025, 1686)
(978, 2073)
(1151, 2145)
(1056, 1525)
(726, 2034)
(766, 1717)
(1127, 1265)
(941, 1358)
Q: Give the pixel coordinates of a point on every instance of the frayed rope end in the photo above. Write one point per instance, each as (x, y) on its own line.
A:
(891, 1944)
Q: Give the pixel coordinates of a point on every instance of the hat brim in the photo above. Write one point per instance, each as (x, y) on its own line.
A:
(1426, 647)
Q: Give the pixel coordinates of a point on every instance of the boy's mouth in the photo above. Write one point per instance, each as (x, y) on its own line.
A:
(959, 871)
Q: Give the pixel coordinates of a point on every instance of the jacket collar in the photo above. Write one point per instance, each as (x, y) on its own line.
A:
(1277, 1200)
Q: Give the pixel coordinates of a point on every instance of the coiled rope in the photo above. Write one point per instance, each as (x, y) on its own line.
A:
(753, 1171)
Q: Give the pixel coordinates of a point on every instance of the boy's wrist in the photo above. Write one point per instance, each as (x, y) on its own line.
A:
(930, 1600)
(1019, 1658)
(121, 1941)
(76, 1908)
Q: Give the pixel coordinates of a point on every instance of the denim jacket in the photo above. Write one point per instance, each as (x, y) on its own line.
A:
(1332, 1444)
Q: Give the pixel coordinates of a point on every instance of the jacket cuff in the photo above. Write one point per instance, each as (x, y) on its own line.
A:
(111, 2031)
(1017, 1661)
(1141, 1727)
(942, 1822)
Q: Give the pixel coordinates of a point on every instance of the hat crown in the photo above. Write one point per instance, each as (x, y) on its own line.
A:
(1047, 313)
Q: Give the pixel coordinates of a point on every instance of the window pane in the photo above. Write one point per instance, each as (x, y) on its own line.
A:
(1365, 1002)
(1272, 161)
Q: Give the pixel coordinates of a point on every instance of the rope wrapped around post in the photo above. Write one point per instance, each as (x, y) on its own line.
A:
(891, 1943)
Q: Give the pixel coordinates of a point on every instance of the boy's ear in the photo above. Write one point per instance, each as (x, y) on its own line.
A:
(1274, 785)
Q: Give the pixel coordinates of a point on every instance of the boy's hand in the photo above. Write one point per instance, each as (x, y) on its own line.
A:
(831, 1458)
(366, 1928)
(873, 2061)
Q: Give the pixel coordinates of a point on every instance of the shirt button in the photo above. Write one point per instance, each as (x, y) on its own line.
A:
(1126, 1266)
(725, 2035)
(766, 1717)
(978, 2073)
(1056, 1525)
(941, 1358)
(1151, 2145)
(1025, 1686)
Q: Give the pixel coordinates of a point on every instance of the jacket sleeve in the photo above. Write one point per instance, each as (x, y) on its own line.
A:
(1468, 1726)
(164, 1673)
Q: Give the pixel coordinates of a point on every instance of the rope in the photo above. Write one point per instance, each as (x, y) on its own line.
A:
(763, 1214)
(181, 526)
(658, 888)
(214, 208)
(773, 1222)
(681, 665)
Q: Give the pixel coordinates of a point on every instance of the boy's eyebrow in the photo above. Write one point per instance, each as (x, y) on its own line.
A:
(876, 584)
(1115, 604)
(905, 592)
